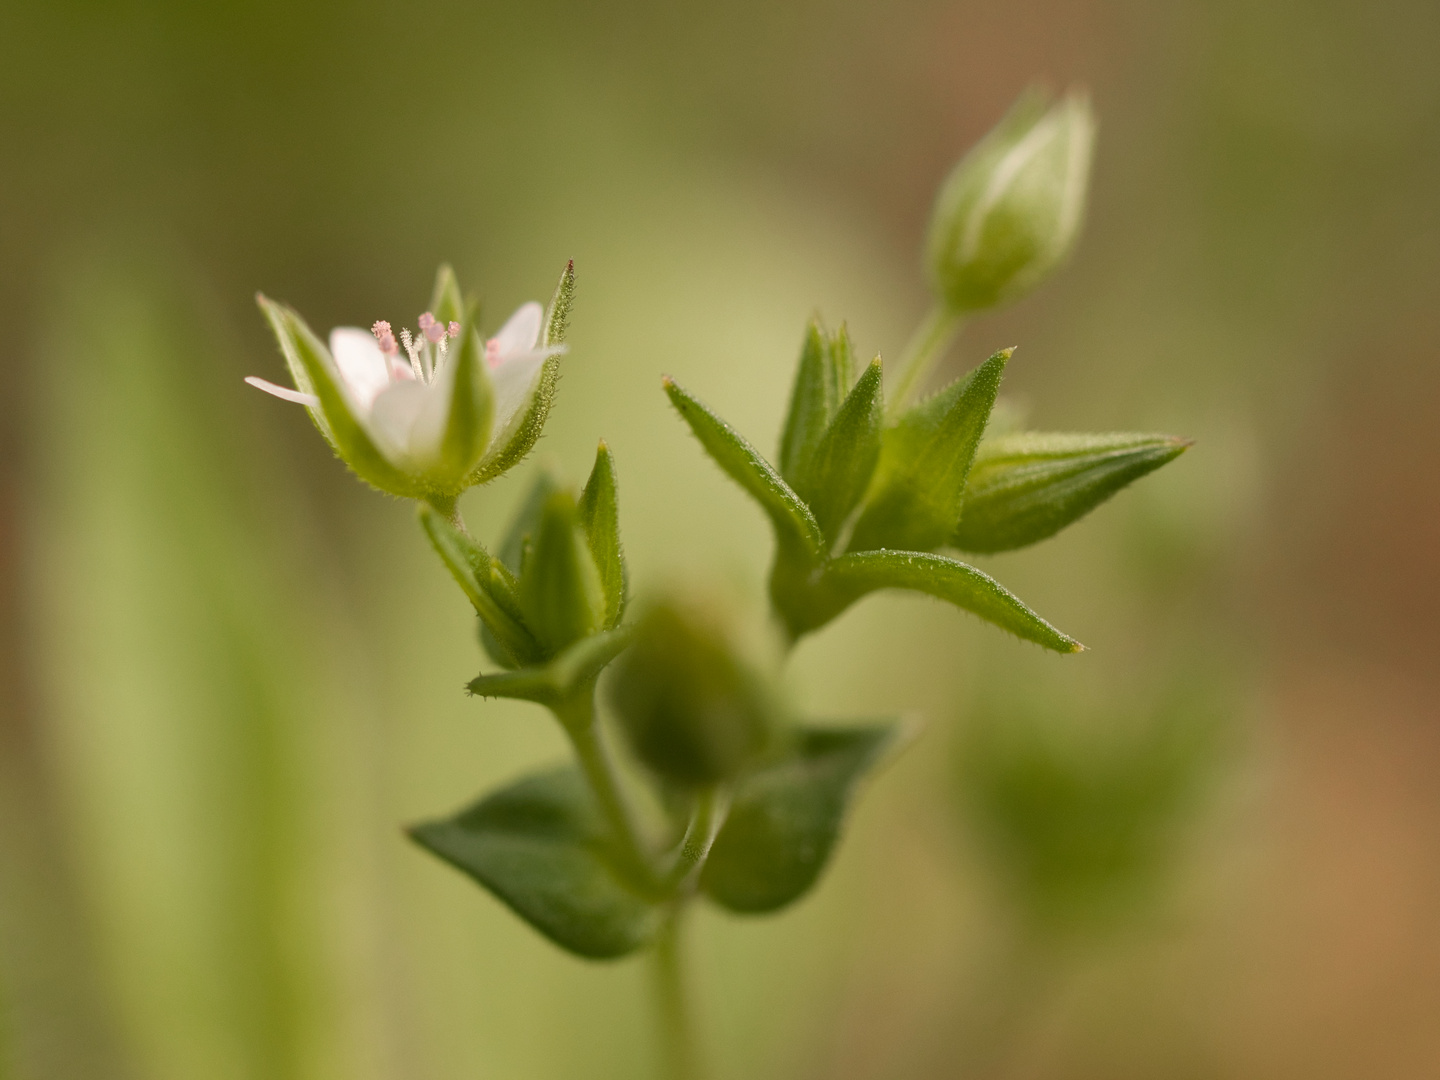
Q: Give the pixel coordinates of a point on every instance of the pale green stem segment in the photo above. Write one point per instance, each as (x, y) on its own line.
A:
(677, 1031)
(577, 717)
(448, 507)
(712, 804)
(929, 342)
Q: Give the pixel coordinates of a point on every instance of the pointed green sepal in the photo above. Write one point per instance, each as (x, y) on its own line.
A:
(919, 485)
(822, 380)
(1025, 488)
(560, 588)
(558, 681)
(839, 470)
(541, 847)
(314, 372)
(850, 577)
(446, 302)
(488, 585)
(600, 518)
(743, 464)
(472, 408)
(522, 431)
(787, 817)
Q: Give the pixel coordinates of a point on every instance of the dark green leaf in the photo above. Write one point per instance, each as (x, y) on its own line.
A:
(924, 461)
(560, 590)
(489, 587)
(1026, 487)
(541, 847)
(840, 468)
(786, 818)
(822, 380)
(743, 464)
(853, 576)
(600, 518)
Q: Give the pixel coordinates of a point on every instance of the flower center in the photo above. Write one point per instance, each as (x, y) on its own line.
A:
(425, 351)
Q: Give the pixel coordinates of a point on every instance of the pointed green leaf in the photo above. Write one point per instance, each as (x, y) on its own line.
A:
(839, 470)
(560, 589)
(822, 379)
(314, 372)
(557, 316)
(743, 464)
(541, 847)
(487, 585)
(558, 681)
(446, 302)
(1027, 487)
(924, 461)
(853, 576)
(787, 817)
(600, 518)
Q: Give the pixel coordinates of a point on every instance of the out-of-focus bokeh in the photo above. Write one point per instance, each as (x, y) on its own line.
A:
(1208, 847)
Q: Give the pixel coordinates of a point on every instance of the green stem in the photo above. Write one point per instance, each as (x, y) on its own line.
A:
(929, 342)
(449, 507)
(577, 717)
(711, 806)
(677, 1030)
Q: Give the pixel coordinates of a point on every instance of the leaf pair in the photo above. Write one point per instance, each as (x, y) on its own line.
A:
(560, 578)
(542, 847)
(807, 586)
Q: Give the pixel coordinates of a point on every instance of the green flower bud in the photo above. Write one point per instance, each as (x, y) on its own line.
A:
(691, 709)
(1011, 210)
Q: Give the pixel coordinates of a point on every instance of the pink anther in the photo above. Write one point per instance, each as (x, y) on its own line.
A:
(432, 330)
(385, 337)
(454, 329)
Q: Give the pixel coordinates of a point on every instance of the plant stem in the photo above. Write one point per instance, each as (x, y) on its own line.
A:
(577, 717)
(449, 506)
(929, 342)
(711, 806)
(681, 1055)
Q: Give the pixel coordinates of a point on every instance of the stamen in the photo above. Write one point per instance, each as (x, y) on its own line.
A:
(492, 352)
(453, 329)
(432, 330)
(385, 337)
(413, 351)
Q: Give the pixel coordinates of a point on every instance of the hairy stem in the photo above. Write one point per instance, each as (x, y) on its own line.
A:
(681, 1060)
(448, 506)
(929, 342)
(712, 804)
(577, 716)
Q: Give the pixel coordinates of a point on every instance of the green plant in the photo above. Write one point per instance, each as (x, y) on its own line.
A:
(865, 495)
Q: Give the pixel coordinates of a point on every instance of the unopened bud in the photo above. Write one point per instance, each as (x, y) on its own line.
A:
(1011, 210)
(691, 709)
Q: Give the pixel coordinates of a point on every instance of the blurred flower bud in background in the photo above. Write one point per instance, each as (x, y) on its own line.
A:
(693, 711)
(1011, 210)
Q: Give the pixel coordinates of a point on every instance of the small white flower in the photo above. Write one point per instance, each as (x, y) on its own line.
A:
(405, 405)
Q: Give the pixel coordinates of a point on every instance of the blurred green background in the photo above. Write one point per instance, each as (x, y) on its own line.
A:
(1209, 847)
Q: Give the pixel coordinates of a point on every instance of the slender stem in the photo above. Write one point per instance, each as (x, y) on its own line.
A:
(929, 342)
(677, 1029)
(577, 716)
(712, 804)
(449, 505)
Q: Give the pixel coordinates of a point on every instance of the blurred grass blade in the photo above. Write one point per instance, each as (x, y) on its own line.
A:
(541, 847)
(857, 574)
(600, 518)
(924, 462)
(743, 464)
(447, 303)
(839, 470)
(1026, 487)
(787, 817)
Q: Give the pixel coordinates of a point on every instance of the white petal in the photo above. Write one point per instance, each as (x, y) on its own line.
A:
(283, 392)
(362, 365)
(393, 419)
(521, 331)
(514, 382)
